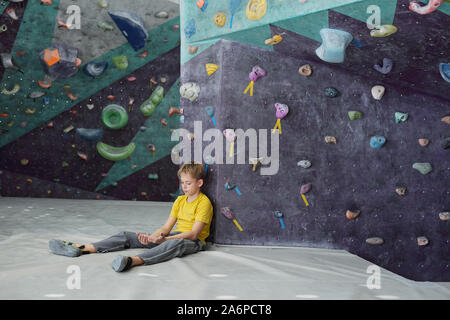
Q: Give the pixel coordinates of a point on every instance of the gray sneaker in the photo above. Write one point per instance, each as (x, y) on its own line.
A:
(121, 263)
(64, 248)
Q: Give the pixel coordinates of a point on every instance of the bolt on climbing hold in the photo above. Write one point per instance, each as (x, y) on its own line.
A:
(383, 31)
(446, 119)
(378, 92)
(423, 142)
(281, 111)
(422, 241)
(211, 68)
(444, 216)
(330, 139)
(444, 69)
(190, 91)
(377, 142)
(430, 7)
(305, 164)
(334, 44)
(401, 191)
(423, 167)
(331, 92)
(279, 215)
(219, 19)
(305, 70)
(352, 214)
(256, 73)
(304, 189)
(256, 9)
(226, 211)
(375, 241)
(256, 162)
(445, 144)
(353, 115)
(210, 112)
(386, 67)
(401, 117)
(274, 40)
(230, 136)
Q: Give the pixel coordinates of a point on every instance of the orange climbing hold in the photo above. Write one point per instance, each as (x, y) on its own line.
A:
(173, 110)
(4, 115)
(51, 57)
(71, 96)
(44, 84)
(47, 2)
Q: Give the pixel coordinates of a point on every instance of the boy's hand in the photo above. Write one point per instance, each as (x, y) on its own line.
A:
(160, 239)
(146, 238)
(143, 238)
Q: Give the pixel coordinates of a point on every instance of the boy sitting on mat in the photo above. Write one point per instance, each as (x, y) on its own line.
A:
(193, 212)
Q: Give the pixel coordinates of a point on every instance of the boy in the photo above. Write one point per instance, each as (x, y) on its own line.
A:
(193, 212)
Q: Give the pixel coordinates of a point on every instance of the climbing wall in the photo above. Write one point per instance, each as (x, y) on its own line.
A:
(380, 202)
(51, 136)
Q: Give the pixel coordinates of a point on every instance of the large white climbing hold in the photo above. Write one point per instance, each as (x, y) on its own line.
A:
(378, 92)
(190, 91)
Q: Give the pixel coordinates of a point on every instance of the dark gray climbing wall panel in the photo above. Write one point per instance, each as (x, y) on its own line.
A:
(346, 175)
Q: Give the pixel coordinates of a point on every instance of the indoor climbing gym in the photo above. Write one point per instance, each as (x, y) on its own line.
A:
(225, 150)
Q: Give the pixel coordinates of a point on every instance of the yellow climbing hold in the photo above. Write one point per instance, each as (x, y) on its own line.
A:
(383, 31)
(256, 9)
(211, 68)
(274, 40)
(219, 19)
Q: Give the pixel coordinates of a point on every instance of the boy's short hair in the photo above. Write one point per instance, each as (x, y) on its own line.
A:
(196, 170)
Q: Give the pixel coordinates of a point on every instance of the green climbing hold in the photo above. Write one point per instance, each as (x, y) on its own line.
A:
(153, 176)
(114, 116)
(423, 167)
(65, 164)
(121, 62)
(115, 153)
(353, 115)
(149, 105)
(400, 117)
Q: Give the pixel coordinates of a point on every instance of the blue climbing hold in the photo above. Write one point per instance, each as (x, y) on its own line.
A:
(95, 69)
(444, 69)
(132, 27)
(90, 134)
(377, 142)
(190, 29)
(386, 67)
(334, 43)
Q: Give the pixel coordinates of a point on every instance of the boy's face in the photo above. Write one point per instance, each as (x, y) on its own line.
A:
(189, 184)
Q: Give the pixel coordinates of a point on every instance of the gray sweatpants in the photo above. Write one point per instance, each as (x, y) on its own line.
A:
(157, 252)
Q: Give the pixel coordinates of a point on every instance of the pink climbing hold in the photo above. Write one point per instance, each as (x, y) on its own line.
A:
(282, 110)
(432, 5)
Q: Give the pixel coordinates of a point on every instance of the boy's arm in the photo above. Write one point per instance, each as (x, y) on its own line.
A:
(190, 235)
(166, 228)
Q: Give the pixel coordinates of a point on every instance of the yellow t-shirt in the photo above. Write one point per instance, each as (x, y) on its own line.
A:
(187, 213)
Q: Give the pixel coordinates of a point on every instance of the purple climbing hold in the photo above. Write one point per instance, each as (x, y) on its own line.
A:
(386, 67)
(257, 72)
(305, 188)
(282, 110)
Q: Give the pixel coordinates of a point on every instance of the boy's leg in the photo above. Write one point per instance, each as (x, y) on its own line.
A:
(120, 241)
(171, 249)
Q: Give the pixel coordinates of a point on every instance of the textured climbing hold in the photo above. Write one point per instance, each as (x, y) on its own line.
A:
(375, 241)
(386, 67)
(234, 6)
(90, 134)
(202, 4)
(149, 105)
(162, 15)
(190, 91)
(102, 3)
(424, 142)
(229, 134)
(401, 117)
(446, 119)
(64, 164)
(120, 62)
(445, 144)
(256, 73)
(59, 61)
(153, 176)
(422, 241)
(331, 92)
(90, 106)
(115, 153)
(24, 162)
(14, 90)
(334, 44)
(210, 112)
(423, 167)
(377, 142)
(256, 162)
(68, 129)
(192, 49)
(274, 40)
(95, 69)
(281, 110)
(71, 96)
(401, 191)
(82, 156)
(430, 7)
(105, 26)
(219, 19)
(8, 62)
(30, 111)
(256, 9)
(226, 211)
(228, 186)
(383, 31)
(353, 115)
(11, 12)
(444, 69)
(163, 122)
(173, 111)
(378, 92)
(305, 188)
(114, 116)
(44, 84)
(330, 139)
(444, 216)
(132, 27)
(352, 214)
(35, 94)
(211, 68)
(305, 70)
(190, 29)
(305, 164)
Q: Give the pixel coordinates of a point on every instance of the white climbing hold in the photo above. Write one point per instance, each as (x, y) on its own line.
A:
(378, 92)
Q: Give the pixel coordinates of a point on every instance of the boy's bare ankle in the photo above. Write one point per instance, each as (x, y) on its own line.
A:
(87, 247)
(136, 261)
